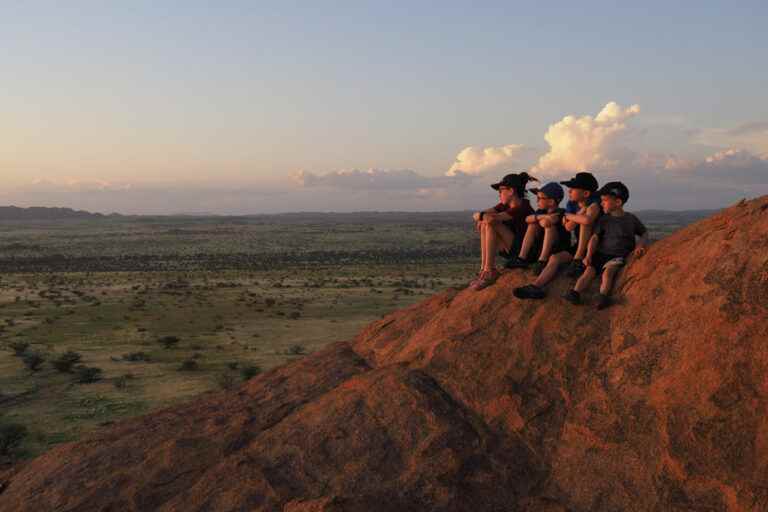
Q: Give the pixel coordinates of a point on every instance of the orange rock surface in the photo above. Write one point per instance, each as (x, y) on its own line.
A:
(477, 401)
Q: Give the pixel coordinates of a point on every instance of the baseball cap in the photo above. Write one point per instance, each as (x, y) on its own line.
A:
(615, 189)
(582, 180)
(552, 190)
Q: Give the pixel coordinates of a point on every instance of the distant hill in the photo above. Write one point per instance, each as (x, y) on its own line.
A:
(43, 213)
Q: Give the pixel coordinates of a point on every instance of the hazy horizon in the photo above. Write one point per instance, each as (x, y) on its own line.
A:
(156, 108)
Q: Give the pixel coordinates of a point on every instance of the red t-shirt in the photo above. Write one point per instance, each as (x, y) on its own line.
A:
(517, 222)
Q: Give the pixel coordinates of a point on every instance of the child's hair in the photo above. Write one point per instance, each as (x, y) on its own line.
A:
(524, 179)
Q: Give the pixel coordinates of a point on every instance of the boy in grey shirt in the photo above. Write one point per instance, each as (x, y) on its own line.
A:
(612, 241)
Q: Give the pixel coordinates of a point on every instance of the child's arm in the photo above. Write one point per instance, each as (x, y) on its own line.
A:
(549, 219)
(591, 248)
(585, 218)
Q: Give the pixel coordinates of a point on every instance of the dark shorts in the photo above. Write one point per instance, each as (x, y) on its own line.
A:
(600, 261)
(514, 251)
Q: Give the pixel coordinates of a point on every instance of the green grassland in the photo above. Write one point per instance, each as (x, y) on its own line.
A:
(239, 294)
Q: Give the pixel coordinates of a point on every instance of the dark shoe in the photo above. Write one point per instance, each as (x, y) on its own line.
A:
(575, 269)
(604, 301)
(529, 291)
(516, 262)
(537, 267)
(573, 297)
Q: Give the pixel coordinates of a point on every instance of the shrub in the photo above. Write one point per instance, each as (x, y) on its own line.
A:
(66, 361)
(295, 350)
(250, 371)
(136, 356)
(33, 361)
(11, 436)
(225, 380)
(19, 347)
(122, 381)
(169, 341)
(190, 365)
(87, 374)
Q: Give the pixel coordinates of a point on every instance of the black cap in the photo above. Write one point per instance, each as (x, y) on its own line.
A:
(582, 180)
(615, 189)
(515, 181)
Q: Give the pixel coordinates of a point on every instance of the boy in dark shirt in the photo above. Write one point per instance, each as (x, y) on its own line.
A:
(545, 233)
(612, 241)
(581, 212)
(503, 226)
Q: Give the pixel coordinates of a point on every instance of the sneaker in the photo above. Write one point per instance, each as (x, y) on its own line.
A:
(604, 301)
(538, 267)
(486, 279)
(573, 297)
(575, 269)
(516, 262)
(529, 291)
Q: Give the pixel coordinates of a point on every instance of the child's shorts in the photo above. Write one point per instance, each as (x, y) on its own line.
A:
(600, 261)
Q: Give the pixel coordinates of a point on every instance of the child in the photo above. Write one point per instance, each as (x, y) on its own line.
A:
(582, 211)
(502, 226)
(545, 233)
(612, 241)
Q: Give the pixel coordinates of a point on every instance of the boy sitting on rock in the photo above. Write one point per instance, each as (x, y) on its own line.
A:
(503, 226)
(581, 212)
(546, 233)
(611, 243)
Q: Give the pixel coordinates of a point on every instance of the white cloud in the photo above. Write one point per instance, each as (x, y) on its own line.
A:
(379, 179)
(585, 143)
(752, 137)
(72, 184)
(477, 160)
(727, 167)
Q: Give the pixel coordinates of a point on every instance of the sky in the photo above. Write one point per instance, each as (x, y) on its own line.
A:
(242, 107)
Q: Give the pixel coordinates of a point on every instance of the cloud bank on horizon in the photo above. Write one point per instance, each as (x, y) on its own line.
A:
(733, 163)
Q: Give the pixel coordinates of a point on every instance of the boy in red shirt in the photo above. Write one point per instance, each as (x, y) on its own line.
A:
(503, 226)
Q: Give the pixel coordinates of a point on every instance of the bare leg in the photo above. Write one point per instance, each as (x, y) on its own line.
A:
(482, 247)
(550, 271)
(531, 233)
(607, 282)
(586, 278)
(585, 232)
(489, 247)
(496, 235)
(550, 237)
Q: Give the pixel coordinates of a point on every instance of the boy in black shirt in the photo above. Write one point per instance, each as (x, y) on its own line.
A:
(612, 241)
(545, 233)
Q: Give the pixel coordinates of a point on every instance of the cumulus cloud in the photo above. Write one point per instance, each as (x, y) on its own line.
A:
(752, 137)
(586, 142)
(477, 160)
(380, 179)
(727, 166)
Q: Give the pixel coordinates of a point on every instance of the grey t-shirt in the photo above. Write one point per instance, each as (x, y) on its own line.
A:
(617, 234)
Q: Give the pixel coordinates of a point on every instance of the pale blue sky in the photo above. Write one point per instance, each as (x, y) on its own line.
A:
(245, 94)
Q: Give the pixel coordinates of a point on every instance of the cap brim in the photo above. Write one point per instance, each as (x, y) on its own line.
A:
(496, 186)
(569, 184)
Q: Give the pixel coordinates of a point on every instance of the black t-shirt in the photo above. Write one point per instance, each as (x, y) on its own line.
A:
(617, 234)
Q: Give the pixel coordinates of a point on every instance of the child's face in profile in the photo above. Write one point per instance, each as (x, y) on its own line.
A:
(610, 203)
(578, 195)
(544, 202)
(506, 194)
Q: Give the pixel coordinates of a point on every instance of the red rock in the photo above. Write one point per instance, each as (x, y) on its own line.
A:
(477, 401)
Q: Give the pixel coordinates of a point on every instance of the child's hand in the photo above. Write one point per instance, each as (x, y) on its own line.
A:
(476, 216)
(639, 252)
(587, 261)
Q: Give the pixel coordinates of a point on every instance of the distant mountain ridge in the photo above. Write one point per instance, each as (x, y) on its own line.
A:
(46, 213)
